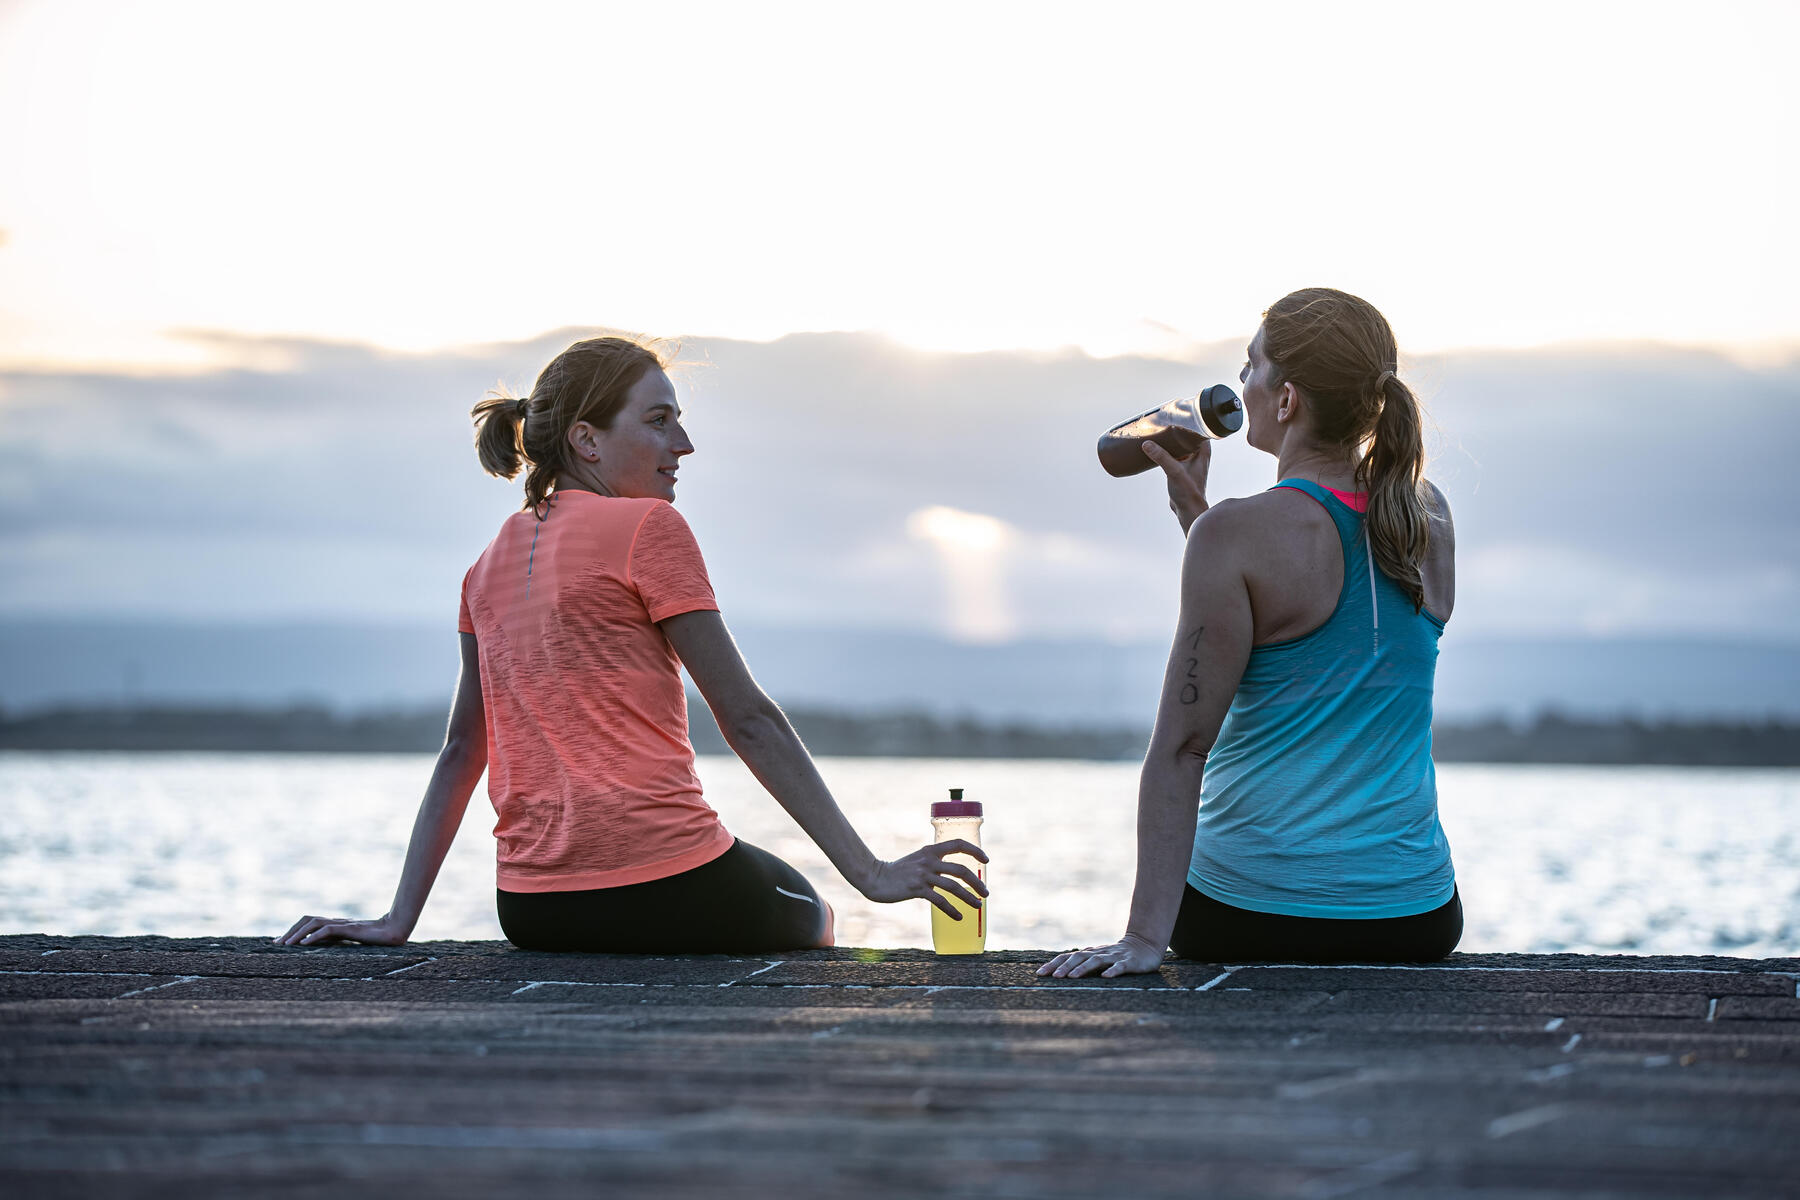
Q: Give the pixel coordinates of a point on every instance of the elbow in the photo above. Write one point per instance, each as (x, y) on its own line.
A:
(757, 724)
(1187, 754)
(465, 750)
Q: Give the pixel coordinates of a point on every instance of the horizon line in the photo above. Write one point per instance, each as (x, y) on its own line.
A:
(222, 351)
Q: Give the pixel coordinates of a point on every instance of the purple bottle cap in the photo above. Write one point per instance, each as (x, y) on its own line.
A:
(956, 806)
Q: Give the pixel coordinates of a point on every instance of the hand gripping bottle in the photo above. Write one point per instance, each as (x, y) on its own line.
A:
(1177, 427)
(950, 819)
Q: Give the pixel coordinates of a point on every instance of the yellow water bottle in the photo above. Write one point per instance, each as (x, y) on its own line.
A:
(951, 819)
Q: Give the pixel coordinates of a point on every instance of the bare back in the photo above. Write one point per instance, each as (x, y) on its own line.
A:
(1294, 563)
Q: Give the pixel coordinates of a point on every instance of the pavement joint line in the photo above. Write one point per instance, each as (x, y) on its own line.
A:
(1363, 1175)
(1574, 1041)
(106, 974)
(1553, 1024)
(1307, 1089)
(538, 983)
(1216, 980)
(927, 988)
(1527, 970)
(752, 975)
(1526, 1118)
(1712, 1007)
(407, 967)
(156, 987)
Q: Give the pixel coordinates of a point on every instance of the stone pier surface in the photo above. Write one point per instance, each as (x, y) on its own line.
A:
(229, 1066)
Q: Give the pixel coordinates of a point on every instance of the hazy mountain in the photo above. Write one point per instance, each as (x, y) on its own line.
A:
(371, 666)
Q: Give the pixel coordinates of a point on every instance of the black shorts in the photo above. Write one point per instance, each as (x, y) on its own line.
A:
(1212, 931)
(746, 901)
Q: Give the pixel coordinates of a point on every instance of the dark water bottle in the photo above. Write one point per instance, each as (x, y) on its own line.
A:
(1177, 427)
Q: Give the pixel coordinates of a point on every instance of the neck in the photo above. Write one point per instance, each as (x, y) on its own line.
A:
(582, 478)
(1316, 464)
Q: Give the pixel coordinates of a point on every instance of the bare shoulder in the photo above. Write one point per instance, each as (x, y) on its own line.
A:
(1233, 523)
(1266, 519)
(1437, 508)
(1257, 516)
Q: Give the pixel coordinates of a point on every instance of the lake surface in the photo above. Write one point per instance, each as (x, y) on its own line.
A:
(1594, 859)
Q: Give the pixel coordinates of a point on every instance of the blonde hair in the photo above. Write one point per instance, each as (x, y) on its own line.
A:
(1340, 351)
(586, 382)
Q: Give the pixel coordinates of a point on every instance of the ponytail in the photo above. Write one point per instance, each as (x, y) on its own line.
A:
(1391, 470)
(499, 442)
(1339, 350)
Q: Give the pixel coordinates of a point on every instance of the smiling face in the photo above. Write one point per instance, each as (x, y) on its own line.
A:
(1264, 393)
(638, 454)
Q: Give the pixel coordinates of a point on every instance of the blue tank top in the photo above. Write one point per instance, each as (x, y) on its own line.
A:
(1319, 797)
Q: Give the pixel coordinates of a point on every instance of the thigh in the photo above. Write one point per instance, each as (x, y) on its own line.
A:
(745, 901)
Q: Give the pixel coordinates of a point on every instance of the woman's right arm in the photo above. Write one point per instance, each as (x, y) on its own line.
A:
(1186, 478)
(759, 733)
(1212, 646)
(459, 767)
(1439, 569)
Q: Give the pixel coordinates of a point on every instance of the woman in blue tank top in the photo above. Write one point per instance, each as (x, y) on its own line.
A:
(1287, 809)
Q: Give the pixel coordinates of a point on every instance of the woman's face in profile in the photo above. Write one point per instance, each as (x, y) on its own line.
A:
(640, 452)
(1262, 391)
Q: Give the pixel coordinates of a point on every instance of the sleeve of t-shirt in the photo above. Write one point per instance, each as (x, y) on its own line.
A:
(464, 623)
(666, 567)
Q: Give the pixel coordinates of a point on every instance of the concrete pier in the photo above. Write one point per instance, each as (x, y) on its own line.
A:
(182, 1067)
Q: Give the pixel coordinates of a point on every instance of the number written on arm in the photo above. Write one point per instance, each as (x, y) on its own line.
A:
(1190, 691)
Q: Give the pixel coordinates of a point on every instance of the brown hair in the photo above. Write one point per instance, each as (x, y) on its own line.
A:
(586, 382)
(1340, 351)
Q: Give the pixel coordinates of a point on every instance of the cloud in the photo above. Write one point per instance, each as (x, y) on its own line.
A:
(1605, 488)
(1527, 589)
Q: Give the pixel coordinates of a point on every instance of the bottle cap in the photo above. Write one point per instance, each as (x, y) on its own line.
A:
(1219, 410)
(956, 806)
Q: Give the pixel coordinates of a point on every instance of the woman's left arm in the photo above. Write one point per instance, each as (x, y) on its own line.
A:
(1212, 645)
(459, 767)
(759, 732)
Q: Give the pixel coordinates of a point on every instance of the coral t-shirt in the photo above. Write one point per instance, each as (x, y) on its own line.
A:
(589, 765)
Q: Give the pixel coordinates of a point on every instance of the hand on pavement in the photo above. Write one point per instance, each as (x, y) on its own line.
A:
(1130, 955)
(323, 931)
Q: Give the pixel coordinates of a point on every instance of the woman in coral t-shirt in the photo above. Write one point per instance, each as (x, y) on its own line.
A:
(575, 623)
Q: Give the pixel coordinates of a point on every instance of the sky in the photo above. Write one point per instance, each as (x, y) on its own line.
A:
(971, 177)
(257, 263)
(850, 481)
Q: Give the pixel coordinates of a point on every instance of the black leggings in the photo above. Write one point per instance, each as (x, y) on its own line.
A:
(745, 901)
(1212, 931)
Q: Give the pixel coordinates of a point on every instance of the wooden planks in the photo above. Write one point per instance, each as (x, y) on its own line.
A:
(143, 1066)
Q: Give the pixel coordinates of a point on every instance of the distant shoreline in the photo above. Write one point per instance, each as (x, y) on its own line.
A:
(1549, 738)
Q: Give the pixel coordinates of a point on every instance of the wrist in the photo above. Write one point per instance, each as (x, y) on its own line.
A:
(862, 875)
(1143, 940)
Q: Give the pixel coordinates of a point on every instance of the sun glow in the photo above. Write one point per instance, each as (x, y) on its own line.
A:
(971, 554)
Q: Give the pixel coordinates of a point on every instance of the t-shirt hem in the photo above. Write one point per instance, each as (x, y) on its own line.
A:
(674, 608)
(583, 881)
(1330, 912)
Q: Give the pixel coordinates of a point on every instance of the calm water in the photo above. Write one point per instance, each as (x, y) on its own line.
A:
(1602, 859)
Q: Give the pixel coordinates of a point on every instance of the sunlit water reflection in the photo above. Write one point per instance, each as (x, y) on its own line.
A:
(1647, 860)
